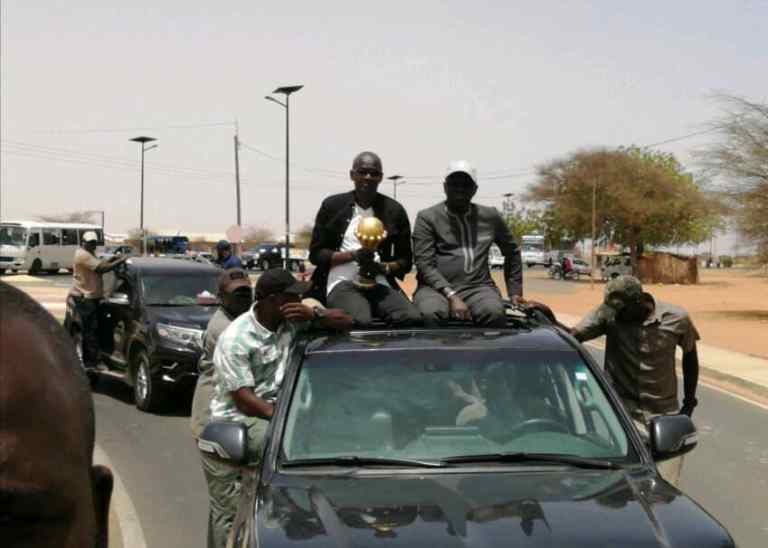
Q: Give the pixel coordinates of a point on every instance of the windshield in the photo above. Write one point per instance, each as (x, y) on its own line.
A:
(13, 235)
(449, 403)
(177, 289)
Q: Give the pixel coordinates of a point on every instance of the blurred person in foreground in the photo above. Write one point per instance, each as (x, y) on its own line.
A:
(51, 494)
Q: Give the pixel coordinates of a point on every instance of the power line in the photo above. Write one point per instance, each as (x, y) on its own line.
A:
(19, 148)
(129, 129)
(681, 138)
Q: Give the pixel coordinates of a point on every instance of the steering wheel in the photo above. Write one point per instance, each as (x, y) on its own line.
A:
(540, 424)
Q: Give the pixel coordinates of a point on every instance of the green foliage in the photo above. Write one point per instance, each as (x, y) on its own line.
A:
(642, 197)
(521, 220)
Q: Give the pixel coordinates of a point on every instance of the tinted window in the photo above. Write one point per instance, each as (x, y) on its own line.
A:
(177, 289)
(13, 235)
(51, 236)
(409, 404)
(69, 236)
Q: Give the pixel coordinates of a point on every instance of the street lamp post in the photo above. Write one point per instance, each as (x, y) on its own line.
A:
(143, 142)
(395, 182)
(287, 91)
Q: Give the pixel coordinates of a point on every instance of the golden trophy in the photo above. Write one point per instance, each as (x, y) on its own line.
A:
(370, 232)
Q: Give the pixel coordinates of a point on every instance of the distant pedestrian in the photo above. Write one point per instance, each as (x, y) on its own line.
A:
(641, 336)
(224, 257)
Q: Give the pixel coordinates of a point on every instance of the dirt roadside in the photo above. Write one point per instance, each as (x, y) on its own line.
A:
(729, 307)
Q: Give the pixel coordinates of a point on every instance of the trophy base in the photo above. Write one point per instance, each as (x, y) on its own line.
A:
(364, 283)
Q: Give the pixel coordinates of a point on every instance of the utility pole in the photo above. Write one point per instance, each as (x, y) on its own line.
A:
(594, 233)
(237, 185)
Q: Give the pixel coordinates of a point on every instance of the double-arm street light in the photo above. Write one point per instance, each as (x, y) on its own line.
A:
(143, 142)
(287, 91)
(395, 182)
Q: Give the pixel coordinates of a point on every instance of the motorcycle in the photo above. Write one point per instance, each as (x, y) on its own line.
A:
(556, 273)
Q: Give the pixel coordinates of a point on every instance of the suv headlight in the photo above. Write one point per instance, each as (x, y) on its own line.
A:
(181, 335)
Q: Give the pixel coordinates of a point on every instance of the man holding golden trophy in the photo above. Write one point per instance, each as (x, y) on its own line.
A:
(361, 246)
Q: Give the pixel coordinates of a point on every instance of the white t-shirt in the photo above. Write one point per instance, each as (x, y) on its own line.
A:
(348, 271)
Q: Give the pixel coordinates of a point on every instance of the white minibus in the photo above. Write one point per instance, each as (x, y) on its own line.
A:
(41, 247)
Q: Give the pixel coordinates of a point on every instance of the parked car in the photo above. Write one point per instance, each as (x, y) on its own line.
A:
(616, 266)
(455, 437)
(151, 326)
(270, 255)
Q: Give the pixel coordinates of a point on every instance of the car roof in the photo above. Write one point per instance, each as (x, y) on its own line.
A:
(163, 265)
(535, 337)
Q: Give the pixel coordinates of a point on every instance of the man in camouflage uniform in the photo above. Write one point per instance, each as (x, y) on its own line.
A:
(249, 362)
(641, 336)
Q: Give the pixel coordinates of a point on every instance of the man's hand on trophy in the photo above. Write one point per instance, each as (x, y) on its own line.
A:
(364, 256)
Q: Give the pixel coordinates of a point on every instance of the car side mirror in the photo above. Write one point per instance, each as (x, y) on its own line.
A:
(119, 299)
(672, 436)
(226, 440)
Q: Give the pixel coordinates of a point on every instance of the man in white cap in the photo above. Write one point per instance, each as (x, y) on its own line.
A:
(87, 290)
(451, 242)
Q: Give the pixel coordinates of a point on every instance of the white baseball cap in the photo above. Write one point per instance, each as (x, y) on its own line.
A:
(90, 236)
(462, 166)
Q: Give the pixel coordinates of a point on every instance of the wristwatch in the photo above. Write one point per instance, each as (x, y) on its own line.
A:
(448, 291)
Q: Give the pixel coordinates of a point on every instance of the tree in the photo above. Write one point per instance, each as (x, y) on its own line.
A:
(303, 236)
(643, 197)
(740, 157)
(256, 235)
(522, 220)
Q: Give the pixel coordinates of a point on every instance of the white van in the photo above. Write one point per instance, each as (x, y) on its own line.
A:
(41, 247)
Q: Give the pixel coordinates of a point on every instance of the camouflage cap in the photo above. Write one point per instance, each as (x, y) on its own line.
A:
(622, 291)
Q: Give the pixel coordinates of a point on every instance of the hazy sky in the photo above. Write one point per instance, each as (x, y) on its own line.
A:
(506, 85)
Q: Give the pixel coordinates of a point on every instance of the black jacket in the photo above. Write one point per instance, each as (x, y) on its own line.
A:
(331, 223)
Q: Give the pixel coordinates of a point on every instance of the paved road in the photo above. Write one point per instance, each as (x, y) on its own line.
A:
(727, 473)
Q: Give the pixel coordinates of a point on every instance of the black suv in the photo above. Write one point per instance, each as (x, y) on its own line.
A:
(150, 328)
(455, 437)
(270, 255)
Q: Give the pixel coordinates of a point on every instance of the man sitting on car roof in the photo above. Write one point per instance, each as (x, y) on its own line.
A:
(451, 242)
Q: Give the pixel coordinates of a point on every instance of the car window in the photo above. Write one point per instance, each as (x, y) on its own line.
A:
(408, 404)
(176, 289)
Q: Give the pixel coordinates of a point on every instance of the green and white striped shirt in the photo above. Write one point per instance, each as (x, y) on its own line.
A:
(249, 355)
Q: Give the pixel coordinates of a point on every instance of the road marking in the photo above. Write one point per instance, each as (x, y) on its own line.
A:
(130, 526)
(731, 394)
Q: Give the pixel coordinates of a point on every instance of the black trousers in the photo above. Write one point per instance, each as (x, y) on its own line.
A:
(88, 310)
(484, 302)
(383, 302)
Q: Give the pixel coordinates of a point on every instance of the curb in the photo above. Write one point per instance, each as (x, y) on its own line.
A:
(738, 385)
(122, 507)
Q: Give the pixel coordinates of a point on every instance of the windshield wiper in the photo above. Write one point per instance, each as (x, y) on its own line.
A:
(570, 460)
(353, 460)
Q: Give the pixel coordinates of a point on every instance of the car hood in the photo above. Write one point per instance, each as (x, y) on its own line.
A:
(547, 509)
(185, 316)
